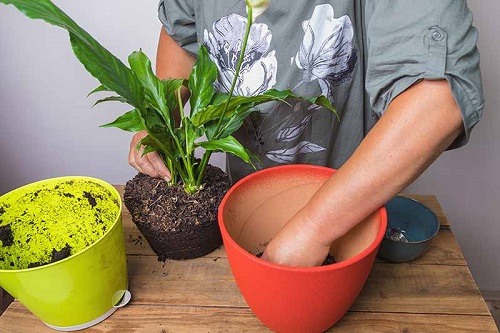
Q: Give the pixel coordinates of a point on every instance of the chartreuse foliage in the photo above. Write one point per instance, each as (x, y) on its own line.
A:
(214, 116)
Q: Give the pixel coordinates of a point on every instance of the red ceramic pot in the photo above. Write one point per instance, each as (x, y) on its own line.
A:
(288, 299)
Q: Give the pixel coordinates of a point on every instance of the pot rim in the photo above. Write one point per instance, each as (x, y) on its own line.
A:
(360, 256)
(422, 207)
(105, 184)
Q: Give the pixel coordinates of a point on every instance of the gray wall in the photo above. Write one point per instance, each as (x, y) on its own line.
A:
(48, 129)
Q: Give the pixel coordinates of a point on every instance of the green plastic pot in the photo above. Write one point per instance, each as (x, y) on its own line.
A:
(84, 288)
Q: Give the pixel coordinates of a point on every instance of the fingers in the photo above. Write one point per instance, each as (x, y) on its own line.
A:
(159, 166)
(144, 164)
(150, 164)
(296, 245)
(132, 151)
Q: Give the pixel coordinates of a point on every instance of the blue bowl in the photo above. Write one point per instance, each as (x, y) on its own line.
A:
(411, 226)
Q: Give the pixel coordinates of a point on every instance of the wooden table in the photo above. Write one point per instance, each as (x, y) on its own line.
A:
(435, 293)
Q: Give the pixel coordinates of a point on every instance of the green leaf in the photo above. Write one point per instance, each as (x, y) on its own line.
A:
(130, 121)
(109, 70)
(155, 125)
(191, 133)
(103, 65)
(236, 121)
(170, 86)
(149, 149)
(210, 128)
(217, 110)
(111, 99)
(228, 126)
(219, 98)
(149, 143)
(227, 145)
(157, 129)
(324, 102)
(201, 81)
(159, 135)
(98, 89)
(153, 87)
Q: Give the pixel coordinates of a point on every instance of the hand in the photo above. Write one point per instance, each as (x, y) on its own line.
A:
(298, 244)
(150, 164)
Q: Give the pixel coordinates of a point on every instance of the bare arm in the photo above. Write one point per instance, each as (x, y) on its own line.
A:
(416, 128)
(171, 62)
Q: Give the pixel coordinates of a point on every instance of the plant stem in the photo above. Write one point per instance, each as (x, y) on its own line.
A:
(186, 139)
(185, 155)
(207, 154)
(203, 166)
(180, 104)
(173, 172)
(238, 66)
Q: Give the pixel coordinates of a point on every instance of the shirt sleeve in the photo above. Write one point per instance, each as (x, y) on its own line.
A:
(178, 18)
(409, 40)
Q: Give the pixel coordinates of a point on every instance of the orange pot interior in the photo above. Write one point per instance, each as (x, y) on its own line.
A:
(256, 210)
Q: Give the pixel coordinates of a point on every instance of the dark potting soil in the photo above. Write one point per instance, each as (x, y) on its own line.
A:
(6, 236)
(177, 225)
(329, 260)
(55, 257)
(61, 254)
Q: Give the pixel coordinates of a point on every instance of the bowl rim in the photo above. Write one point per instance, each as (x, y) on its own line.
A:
(422, 206)
(382, 213)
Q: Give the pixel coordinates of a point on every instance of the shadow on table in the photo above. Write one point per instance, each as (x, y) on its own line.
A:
(5, 300)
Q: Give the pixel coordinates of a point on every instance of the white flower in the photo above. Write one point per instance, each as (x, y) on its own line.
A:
(326, 53)
(258, 70)
(258, 7)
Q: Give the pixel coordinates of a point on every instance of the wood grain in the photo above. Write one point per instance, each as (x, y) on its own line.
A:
(199, 282)
(166, 319)
(407, 323)
(412, 288)
(390, 288)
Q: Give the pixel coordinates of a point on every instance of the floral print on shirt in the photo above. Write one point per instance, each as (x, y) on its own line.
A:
(326, 56)
(326, 53)
(258, 70)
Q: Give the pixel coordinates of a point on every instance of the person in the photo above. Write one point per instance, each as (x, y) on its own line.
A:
(404, 76)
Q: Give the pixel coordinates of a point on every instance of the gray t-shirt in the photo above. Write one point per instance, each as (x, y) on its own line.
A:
(360, 54)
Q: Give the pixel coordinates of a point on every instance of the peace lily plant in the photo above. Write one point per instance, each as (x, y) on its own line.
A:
(214, 115)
